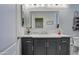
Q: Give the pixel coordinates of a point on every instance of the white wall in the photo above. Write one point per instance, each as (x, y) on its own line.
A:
(20, 29)
(8, 29)
(65, 17)
(66, 20)
(49, 22)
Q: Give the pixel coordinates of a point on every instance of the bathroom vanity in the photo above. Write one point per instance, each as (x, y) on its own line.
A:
(45, 45)
(40, 33)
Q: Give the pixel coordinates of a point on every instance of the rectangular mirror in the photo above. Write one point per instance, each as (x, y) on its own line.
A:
(38, 22)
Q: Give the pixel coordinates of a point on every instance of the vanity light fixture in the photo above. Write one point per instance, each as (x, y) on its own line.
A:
(46, 5)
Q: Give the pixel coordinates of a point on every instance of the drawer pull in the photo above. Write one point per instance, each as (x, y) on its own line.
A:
(59, 48)
(28, 41)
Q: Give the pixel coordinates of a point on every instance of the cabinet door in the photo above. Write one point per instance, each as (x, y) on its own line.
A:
(27, 46)
(39, 46)
(52, 46)
(64, 46)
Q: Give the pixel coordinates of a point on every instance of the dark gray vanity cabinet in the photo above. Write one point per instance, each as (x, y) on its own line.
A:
(64, 46)
(52, 44)
(26, 46)
(39, 46)
(46, 46)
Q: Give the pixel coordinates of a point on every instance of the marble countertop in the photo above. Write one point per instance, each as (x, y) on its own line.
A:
(45, 36)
